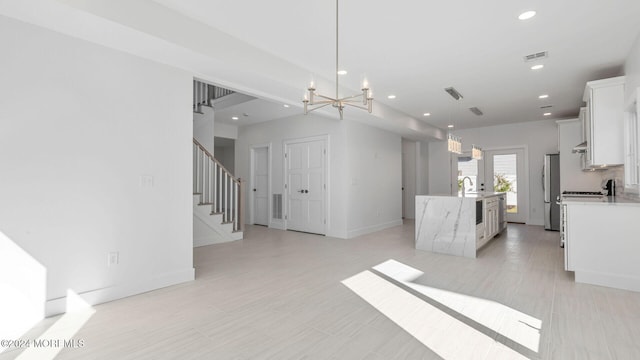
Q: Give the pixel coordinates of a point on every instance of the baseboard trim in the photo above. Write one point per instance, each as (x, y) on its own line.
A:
(608, 280)
(373, 228)
(99, 296)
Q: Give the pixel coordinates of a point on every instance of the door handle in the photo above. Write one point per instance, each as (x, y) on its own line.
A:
(254, 189)
(306, 191)
(303, 191)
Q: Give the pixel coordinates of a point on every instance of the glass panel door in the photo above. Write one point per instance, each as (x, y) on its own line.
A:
(471, 168)
(507, 169)
(505, 179)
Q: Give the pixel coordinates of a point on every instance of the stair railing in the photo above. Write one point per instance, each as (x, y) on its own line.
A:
(204, 94)
(217, 187)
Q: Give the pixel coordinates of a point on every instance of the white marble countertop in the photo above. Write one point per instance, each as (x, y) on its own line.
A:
(604, 200)
(471, 195)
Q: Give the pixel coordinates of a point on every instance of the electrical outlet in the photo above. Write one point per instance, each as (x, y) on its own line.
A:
(113, 258)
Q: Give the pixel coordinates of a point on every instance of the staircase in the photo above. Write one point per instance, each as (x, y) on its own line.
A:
(217, 198)
(204, 94)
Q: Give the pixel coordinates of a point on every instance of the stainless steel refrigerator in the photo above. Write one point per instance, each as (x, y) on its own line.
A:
(551, 186)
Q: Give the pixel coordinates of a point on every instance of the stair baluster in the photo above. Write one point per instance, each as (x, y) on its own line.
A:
(217, 187)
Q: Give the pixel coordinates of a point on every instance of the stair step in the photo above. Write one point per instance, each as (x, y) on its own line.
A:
(205, 203)
(227, 222)
(216, 213)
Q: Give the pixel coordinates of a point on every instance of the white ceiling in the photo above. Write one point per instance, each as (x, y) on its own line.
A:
(413, 49)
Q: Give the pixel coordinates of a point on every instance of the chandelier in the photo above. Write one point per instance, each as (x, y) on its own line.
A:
(314, 101)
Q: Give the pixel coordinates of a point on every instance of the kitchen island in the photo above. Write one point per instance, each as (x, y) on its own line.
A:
(458, 225)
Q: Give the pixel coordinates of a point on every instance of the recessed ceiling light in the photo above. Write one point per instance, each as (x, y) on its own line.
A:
(426, 114)
(546, 114)
(391, 97)
(537, 67)
(342, 72)
(286, 105)
(450, 126)
(234, 118)
(544, 96)
(527, 15)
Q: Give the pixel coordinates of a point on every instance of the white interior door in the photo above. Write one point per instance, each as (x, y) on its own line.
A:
(305, 174)
(507, 168)
(260, 183)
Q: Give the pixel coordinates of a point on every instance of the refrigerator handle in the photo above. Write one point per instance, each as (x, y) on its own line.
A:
(546, 188)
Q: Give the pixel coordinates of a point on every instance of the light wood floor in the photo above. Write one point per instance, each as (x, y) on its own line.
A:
(278, 295)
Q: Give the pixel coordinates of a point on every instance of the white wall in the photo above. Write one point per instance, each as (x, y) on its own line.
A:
(540, 138)
(374, 175)
(79, 125)
(422, 168)
(439, 168)
(226, 130)
(364, 169)
(632, 70)
(409, 177)
(299, 126)
(203, 128)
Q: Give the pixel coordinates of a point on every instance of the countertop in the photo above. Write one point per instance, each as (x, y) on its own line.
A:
(604, 200)
(471, 195)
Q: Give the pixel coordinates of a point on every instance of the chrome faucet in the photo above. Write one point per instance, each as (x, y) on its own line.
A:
(470, 183)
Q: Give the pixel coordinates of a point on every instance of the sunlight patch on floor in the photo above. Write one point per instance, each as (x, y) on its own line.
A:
(504, 320)
(439, 330)
(445, 335)
(61, 334)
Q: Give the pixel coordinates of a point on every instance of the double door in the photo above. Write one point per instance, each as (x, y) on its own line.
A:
(306, 185)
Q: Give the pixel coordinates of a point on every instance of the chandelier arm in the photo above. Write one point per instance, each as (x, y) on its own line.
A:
(318, 107)
(352, 97)
(326, 97)
(356, 106)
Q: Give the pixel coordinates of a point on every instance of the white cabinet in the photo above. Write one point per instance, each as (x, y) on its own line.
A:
(601, 242)
(492, 217)
(603, 122)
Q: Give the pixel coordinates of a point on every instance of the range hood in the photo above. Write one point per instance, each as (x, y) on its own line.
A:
(580, 148)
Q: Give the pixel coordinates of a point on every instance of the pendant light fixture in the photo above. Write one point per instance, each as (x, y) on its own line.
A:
(363, 100)
(454, 143)
(476, 152)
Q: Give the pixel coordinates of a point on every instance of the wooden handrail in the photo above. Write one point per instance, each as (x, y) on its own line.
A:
(233, 178)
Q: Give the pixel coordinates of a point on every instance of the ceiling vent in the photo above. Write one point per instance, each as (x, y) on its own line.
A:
(536, 56)
(546, 106)
(476, 111)
(454, 93)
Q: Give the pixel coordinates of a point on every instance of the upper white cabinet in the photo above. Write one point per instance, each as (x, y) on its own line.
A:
(604, 122)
